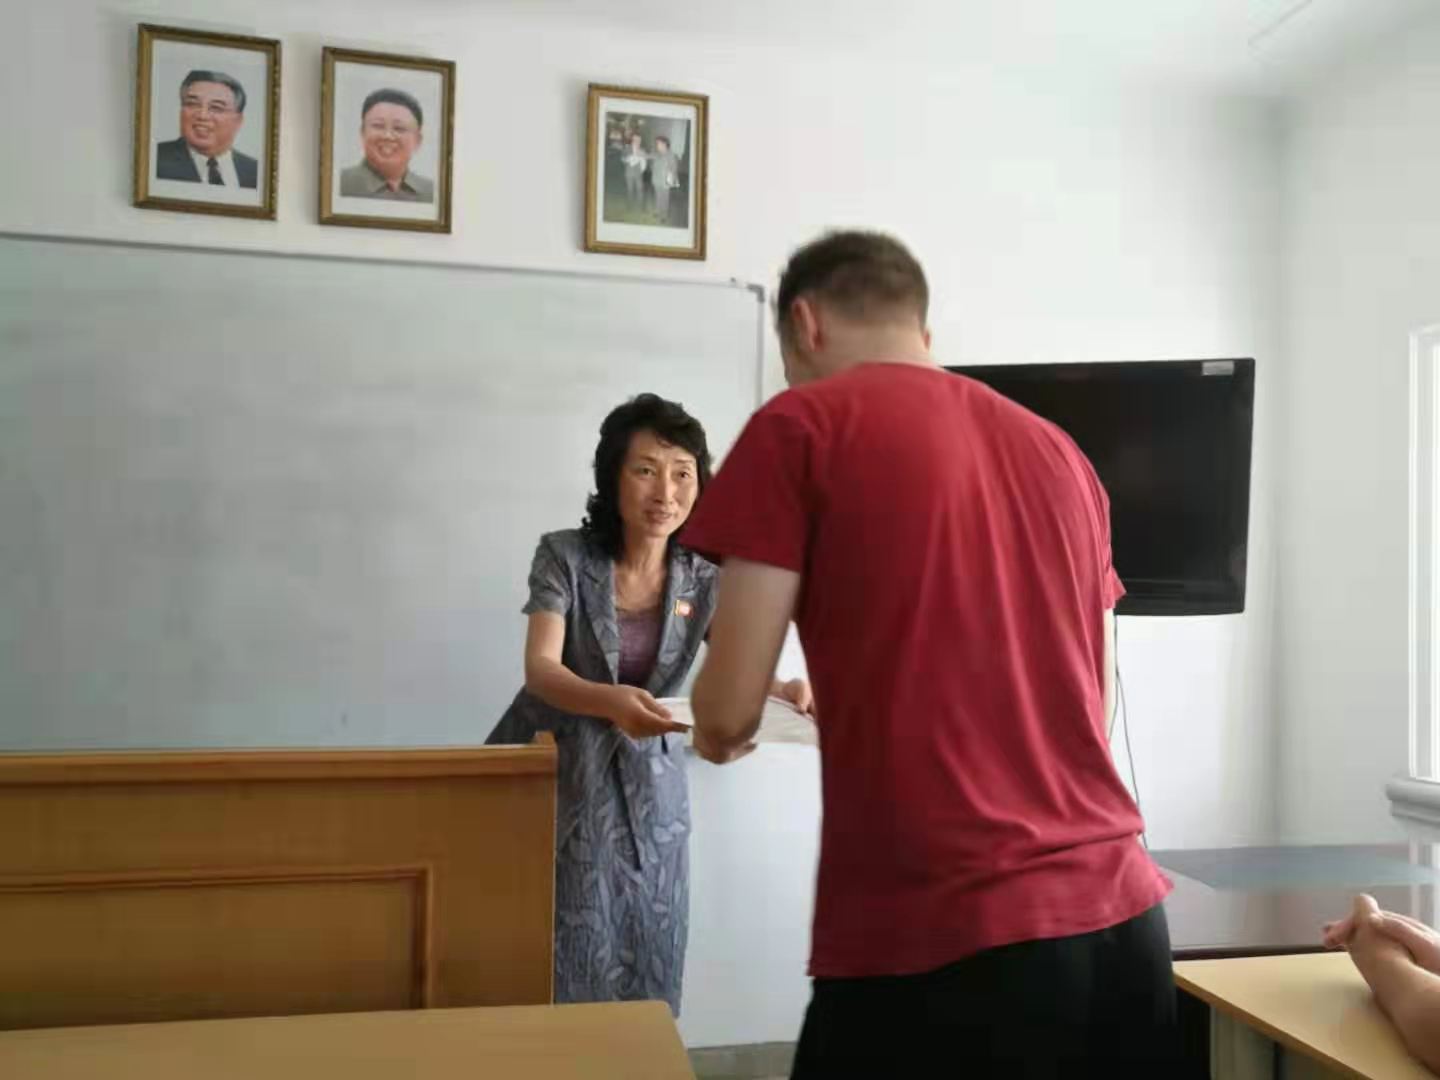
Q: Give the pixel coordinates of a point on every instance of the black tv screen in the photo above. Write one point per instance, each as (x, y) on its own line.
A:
(1171, 442)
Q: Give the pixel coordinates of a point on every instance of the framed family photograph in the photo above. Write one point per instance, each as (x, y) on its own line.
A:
(386, 140)
(207, 122)
(645, 173)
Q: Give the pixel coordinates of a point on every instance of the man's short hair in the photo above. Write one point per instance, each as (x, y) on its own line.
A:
(661, 138)
(866, 276)
(201, 75)
(390, 96)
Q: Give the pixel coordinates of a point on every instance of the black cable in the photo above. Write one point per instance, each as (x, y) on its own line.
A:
(1125, 727)
(1114, 708)
(1130, 757)
(1115, 660)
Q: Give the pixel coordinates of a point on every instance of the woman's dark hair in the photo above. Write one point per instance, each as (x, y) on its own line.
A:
(648, 412)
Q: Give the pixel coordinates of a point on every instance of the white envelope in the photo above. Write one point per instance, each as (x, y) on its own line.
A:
(780, 722)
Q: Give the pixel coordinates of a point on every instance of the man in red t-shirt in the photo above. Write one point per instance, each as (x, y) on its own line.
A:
(982, 892)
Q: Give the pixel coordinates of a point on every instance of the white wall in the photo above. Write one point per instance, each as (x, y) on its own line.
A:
(1362, 269)
(1058, 220)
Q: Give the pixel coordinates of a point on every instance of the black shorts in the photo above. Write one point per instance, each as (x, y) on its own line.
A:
(1097, 1004)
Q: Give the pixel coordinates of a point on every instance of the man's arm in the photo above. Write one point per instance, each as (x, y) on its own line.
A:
(754, 610)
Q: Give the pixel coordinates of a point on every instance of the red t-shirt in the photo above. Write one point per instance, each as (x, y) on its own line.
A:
(955, 555)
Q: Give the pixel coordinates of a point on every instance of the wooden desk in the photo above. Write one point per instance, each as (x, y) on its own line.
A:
(633, 1041)
(1315, 1005)
(1270, 901)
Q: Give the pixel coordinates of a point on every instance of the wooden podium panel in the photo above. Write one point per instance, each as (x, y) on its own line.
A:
(141, 887)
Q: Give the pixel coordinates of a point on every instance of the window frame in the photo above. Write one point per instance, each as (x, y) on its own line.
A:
(1415, 795)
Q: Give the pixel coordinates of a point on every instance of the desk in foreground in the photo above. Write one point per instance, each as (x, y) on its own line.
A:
(1315, 1005)
(631, 1041)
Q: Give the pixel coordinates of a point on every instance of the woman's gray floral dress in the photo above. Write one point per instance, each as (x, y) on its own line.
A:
(622, 868)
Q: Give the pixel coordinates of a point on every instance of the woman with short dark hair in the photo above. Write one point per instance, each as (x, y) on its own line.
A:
(618, 609)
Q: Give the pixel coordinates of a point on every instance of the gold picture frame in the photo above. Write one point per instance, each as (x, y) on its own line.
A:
(391, 100)
(216, 130)
(647, 158)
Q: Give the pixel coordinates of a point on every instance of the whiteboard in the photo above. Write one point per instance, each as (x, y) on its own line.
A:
(265, 500)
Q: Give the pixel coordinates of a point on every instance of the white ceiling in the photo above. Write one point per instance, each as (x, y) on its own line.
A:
(1266, 46)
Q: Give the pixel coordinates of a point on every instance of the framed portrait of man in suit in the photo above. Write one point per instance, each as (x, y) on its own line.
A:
(386, 134)
(645, 172)
(207, 122)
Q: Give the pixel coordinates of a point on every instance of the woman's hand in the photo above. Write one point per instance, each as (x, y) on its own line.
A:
(639, 715)
(798, 693)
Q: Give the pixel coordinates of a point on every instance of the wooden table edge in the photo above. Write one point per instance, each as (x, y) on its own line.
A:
(1273, 1033)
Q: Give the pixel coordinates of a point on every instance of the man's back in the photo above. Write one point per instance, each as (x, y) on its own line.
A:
(956, 573)
(983, 899)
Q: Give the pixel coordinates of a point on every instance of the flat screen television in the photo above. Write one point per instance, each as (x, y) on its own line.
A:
(1171, 443)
